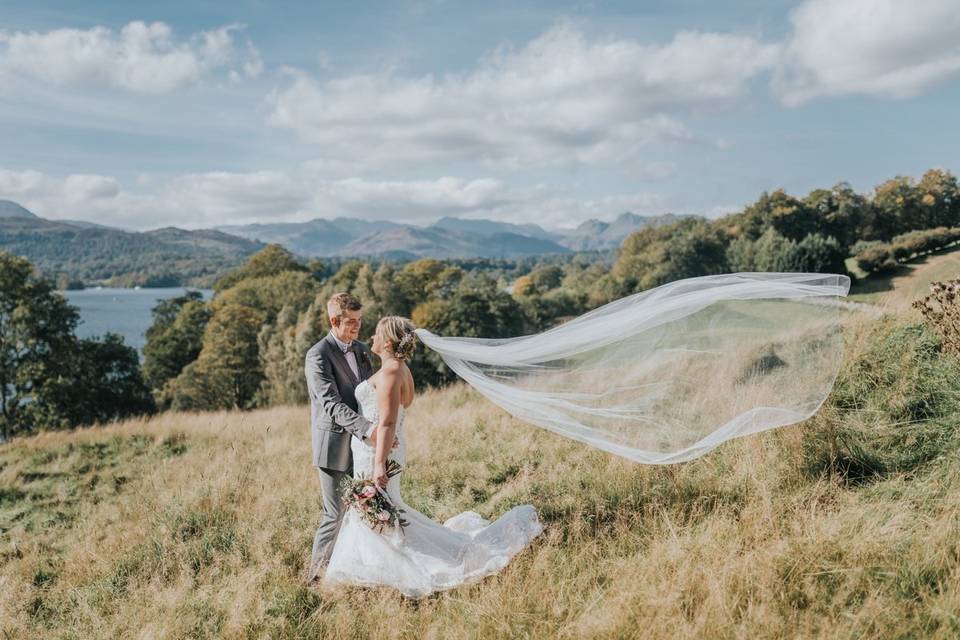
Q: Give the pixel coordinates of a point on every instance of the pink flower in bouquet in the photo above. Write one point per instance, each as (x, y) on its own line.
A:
(369, 491)
(383, 516)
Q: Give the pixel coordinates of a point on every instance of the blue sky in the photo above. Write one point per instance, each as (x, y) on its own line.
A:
(205, 113)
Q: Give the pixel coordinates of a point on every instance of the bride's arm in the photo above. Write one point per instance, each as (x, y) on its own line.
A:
(388, 404)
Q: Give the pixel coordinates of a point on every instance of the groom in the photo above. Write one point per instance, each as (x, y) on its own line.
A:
(334, 367)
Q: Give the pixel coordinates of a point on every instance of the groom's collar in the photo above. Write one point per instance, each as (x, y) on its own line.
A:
(344, 346)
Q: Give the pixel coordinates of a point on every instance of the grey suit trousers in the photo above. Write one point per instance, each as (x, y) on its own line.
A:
(333, 510)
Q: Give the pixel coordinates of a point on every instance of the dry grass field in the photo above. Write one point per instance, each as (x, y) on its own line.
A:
(200, 525)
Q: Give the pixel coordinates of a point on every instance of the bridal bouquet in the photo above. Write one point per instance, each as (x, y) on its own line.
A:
(372, 502)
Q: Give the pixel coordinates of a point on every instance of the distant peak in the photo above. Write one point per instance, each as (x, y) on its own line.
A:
(10, 209)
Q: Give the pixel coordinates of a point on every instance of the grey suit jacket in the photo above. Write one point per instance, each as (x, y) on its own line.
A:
(333, 407)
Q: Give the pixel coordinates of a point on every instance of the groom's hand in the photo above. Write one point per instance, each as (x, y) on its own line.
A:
(372, 439)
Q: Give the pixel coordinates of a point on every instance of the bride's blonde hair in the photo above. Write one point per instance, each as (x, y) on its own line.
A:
(398, 331)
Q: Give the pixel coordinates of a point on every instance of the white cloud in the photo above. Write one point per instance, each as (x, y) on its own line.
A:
(83, 187)
(650, 171)
(219, 198)
(16, 184)
(562, 100)
(222, 198)
(881, 48)
(66, 196)
(143, 58)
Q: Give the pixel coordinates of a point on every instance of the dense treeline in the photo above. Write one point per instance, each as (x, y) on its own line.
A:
(245, 347)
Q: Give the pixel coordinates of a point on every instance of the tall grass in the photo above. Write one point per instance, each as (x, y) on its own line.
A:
(200, 525)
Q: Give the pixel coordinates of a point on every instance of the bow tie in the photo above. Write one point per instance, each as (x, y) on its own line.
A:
(348, 348)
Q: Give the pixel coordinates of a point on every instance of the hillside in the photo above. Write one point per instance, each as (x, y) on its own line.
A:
(10, 209)
(313, 238)
(896, 291)
(104, 255)
(199, 525)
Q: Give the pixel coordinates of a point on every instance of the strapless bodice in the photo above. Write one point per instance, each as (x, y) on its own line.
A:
(366, 395)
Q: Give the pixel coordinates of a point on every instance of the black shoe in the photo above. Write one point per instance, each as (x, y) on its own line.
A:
(316, 570)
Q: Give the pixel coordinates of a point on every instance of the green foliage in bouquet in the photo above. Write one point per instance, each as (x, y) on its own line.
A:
(372, 503)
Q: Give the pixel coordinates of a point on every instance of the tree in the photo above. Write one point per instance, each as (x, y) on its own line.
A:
(270, 294)
(815, 253)
(269, 261)
(174, 339)
(99, 382)
(896, 209)
(227, 374)
(48, 378)
(656, 255)
(282, 348)
(940, 199)
(841, 212)
(36, 331)
(546, 277)
(478, 308)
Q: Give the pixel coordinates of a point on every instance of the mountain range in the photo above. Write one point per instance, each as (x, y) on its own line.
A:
(446, 238)
(90, 252)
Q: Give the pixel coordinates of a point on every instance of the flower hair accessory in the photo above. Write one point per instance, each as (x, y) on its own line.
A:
(405, 346)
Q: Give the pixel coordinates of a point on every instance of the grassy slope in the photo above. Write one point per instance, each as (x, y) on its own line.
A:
(198, 525)
(911, 281)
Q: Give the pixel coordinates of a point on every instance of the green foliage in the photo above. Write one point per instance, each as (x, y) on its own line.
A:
(883, 257)
(773, 252)
(546, 277)
(240, 349)
(900, 205)
(840, 212)
(893, 408)
(174, 339)
(49, 378)
(99, 381)
(270, 293)
(270, 261)
(282, 349)
(477, 308)
(656, 255)
(227, 373)
(817, 253)
(36, 331)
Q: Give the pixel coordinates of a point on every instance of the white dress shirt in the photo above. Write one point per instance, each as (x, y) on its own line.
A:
(349, 355)
(352, 361)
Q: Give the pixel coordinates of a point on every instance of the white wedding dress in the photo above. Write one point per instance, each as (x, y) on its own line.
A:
(425, 556)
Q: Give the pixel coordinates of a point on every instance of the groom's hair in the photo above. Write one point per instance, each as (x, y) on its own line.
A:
(340, 303)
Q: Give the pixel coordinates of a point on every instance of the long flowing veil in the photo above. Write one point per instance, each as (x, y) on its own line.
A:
(667, 374)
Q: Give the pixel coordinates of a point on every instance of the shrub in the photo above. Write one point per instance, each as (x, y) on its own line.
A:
(941, 310)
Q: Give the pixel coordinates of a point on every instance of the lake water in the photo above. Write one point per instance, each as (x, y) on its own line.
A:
(123, 311)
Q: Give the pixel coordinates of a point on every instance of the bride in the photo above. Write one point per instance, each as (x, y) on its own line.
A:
(425, 556)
